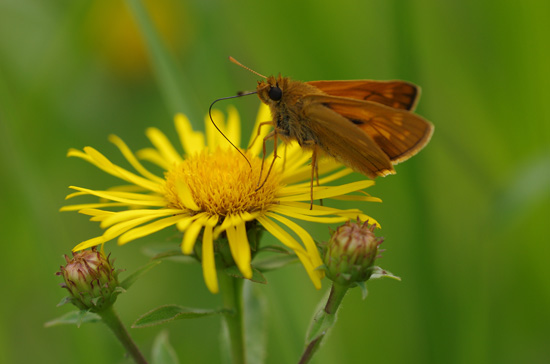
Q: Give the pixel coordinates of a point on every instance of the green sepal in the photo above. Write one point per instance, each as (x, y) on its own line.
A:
(346, 277)
(364, 291)
(275, 262)
(378, 272)
(163, 352)
(254, 233)
(322, 267)
(95, 300)
(234, 272)
(77, 317)
(64, 300)
(167, 313)
(131, 279)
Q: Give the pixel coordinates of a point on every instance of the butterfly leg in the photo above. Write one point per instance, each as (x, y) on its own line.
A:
(284, 158)
(317, 176)
(314, 171)
(273, 135)
(262, 124)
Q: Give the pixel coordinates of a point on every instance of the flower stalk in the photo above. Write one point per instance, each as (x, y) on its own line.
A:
(323, 321)
(111, 319)
(232, 295)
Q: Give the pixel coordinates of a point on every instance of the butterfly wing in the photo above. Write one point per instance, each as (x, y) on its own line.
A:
(398, 133)
(396, 94)
(341, 139)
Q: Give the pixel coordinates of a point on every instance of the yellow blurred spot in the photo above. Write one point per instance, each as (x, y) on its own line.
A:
(115, 36)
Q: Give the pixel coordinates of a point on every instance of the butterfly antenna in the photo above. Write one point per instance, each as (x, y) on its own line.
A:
(221, 132)
(246, 68)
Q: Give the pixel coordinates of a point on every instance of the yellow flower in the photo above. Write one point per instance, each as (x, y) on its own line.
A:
(212, 189)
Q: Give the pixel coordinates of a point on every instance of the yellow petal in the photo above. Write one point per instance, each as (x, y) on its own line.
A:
(104, 164)
(89, 243)
(130, 157)
(240, 249)
(165, 148)
(286, 239)
(212, 133)
(280, 234)
(124, 226)
(116, 217)
(228, 221)
(91, 206)
(304, 235)
(284, 210)
(192, 141)
(77, 153)
(125, 197)
(233, 130)
(208, 262)
(191, 234)
(185, 196)
(328, 192)
(152, 155)
(148, 229)
(185, 221)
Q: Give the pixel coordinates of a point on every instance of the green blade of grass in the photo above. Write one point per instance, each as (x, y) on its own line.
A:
(174, 86)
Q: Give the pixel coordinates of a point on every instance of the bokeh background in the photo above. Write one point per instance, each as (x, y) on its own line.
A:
(466, 221)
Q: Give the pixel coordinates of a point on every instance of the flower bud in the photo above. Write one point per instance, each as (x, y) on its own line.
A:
(91, 280)
(350, 253)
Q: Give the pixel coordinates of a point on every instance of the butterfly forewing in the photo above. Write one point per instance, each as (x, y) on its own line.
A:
(396, 94)
(398, 133)
(341, 139)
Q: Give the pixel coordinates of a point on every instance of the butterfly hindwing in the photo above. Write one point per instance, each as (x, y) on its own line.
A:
(396, 94)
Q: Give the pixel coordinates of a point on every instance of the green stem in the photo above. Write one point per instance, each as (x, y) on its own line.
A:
(111, 319)
(323, 321)
(232, 295)
(337, 293)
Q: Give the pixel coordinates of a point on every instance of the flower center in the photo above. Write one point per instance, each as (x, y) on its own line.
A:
(222, 183)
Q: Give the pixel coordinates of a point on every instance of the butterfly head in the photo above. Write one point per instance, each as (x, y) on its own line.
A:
(271, 91)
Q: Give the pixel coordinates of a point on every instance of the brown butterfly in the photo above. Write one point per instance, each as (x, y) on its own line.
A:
(367, 125)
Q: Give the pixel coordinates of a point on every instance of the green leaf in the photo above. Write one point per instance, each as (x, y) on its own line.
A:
(170, 251)
(274, 249)
(127, 283)
(234, 272)
(275, 262)
(163, 352)
(76, 317)
(177, 257)
(255, 323)
(163, 314)
(321, 324)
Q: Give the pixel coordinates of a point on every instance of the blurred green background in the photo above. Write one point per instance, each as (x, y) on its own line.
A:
(466, 221)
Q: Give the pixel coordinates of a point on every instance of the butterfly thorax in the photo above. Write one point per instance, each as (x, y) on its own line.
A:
(285, 98)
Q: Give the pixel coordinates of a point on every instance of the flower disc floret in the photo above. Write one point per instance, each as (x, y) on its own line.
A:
(218, 190)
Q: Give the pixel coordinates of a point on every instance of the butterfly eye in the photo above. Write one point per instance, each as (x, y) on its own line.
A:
(275, 93)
